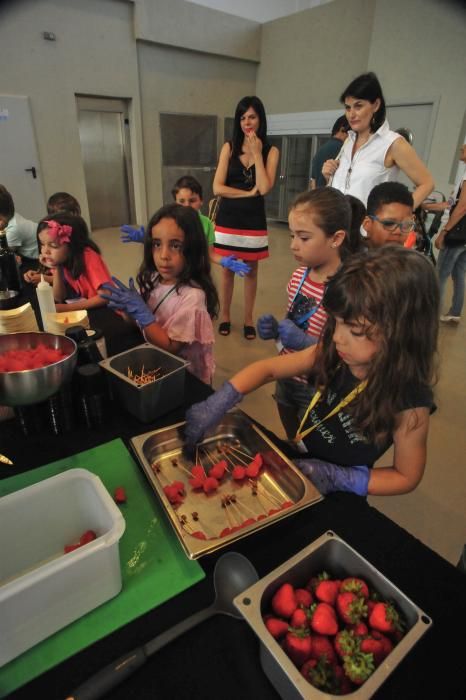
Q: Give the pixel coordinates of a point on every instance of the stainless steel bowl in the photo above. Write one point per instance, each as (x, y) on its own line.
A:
(34, 385)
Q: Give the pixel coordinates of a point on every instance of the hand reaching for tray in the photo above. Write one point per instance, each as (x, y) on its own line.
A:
(206, 414)
(329, 477)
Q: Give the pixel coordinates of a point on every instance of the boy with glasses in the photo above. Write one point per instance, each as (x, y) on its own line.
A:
(390, 218)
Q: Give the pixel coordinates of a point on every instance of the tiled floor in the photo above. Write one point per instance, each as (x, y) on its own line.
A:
(436, 511)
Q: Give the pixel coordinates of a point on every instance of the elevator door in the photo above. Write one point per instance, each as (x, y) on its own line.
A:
(103, 127)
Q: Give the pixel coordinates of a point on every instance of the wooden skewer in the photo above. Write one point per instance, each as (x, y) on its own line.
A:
(245, 454)
(209, 456)
(240, 505)
(225, 508)
(273, 499)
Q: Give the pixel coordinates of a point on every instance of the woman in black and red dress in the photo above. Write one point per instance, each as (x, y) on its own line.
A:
(245, 173)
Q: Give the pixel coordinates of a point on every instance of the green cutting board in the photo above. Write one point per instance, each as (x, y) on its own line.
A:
(153, 565)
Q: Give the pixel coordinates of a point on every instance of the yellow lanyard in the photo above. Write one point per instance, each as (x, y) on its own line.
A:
(344, 402)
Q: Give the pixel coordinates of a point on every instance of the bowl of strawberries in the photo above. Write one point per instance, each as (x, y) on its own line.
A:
(34, 366)
(329, 622)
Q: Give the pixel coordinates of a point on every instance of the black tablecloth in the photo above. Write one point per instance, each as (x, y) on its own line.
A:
(220, 658)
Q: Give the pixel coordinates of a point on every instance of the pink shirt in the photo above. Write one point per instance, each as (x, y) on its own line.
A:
(95, 274)
(184, 316)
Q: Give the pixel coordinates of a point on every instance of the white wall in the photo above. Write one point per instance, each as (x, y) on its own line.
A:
(95, 54)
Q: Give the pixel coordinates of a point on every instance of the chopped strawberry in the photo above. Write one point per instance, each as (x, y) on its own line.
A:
(238, 473)
(210, 484)
(303, 597)
(249, 521)
(272, 511)
(298, 645)
(198, 471)
(323, 647)
(326, 591)
(196, 483)
(87, 536)
(323, 620)
(355, 585)
(173, 494)
(385, 618)
(358, 667)
(277, 628)
(199, 535)
(226, 531)
(119, 495)
(346, 643)
(287, 504)
(252, 470)
(351, 608)
(218, 470)
(70, 547)
(284, 601)
(299, 618)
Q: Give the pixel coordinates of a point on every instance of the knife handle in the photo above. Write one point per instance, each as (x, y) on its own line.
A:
(109, 677)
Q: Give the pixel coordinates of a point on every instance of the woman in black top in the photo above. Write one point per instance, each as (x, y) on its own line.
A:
(245, 173)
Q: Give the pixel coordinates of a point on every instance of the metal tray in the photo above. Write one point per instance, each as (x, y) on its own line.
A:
(279, 489)
(330, 553)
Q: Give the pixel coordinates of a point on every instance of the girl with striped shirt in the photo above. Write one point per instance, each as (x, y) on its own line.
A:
(320, 226)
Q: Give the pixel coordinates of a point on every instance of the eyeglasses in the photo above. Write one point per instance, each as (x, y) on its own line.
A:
(391, 225)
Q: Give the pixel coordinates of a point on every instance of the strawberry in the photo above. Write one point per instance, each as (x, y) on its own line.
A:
(298, 645)
(355, 585)
(324, 619)
(314, 581)
(358, 667)
(199, 535)
(287, 504)
(299, 618)
(370, 645)
(252, 470)
(277, 628)
(326, 591)
(303, 597)
(351, 608)
(238, 473)
(196, 482)
(248, 521)
(284, 601)
(226, 531)
(346, 644)
(385, 641)
(119, 495)
(322, 647)
(198, 472)
(87, 536)
(385, 618)
(360, 629)
(210, 484)
(325, 676)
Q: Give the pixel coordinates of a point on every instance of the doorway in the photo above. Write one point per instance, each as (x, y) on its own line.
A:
(292, 174)
(20, 170)
(106, 155)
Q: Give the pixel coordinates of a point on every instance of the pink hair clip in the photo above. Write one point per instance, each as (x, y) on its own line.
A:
(60, 232)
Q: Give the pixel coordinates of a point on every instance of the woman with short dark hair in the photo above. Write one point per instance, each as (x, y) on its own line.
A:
(373, 153)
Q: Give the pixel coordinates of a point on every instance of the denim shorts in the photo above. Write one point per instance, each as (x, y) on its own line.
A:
(293, 394)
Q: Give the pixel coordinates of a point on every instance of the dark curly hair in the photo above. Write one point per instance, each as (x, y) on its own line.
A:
(396, 292)
(196, 272)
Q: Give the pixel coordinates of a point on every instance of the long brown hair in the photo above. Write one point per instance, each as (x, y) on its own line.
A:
(396, 292)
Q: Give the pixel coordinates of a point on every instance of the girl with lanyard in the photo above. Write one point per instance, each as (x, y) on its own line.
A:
(178, 298)
(373, 371)
(319, 223)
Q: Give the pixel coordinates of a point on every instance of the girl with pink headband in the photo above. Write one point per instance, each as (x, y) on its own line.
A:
(78, 268)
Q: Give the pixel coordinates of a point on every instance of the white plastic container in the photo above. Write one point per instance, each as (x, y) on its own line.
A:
(41, 588)
(46, 301)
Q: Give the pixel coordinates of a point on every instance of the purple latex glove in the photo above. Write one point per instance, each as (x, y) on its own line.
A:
(293, 337)
(329, 477)
(128, 299)
(237, 266)
(267, 327)
(208, 413)
(129, 234)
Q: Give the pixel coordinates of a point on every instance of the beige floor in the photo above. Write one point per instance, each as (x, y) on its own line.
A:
(436, 511)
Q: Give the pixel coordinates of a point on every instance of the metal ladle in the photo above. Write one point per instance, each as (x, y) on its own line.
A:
(233, 573)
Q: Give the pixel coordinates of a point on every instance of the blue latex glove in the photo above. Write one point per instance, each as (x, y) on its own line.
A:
(129, 234)
(267, 327)
(293, 337)
(208, 413)
(237, 266)
(329, 477)
(128, 299)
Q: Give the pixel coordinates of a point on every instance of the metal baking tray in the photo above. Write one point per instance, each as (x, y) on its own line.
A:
(279, 489)
(332, 554)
